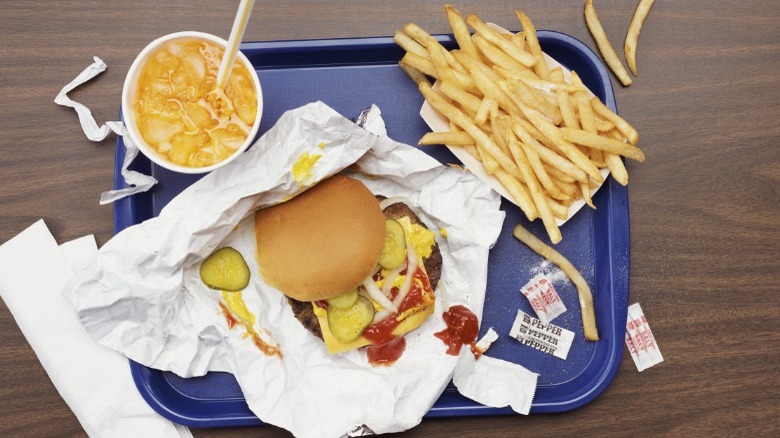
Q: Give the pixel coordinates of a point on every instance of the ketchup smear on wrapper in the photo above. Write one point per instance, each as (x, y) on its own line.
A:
(462, 329)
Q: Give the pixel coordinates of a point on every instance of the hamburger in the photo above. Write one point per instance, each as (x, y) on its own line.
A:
(358, 270)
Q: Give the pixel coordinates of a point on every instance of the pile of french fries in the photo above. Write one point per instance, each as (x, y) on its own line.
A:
(543, 137)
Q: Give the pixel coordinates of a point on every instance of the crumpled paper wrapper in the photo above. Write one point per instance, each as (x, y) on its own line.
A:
(143, 295)
(136, 181)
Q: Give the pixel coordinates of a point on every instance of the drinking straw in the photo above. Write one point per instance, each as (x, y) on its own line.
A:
(236, 35)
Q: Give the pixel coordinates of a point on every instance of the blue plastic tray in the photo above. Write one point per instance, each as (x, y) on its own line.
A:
(350, 75)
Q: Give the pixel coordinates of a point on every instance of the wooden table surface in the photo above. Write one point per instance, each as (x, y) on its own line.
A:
(705, 232)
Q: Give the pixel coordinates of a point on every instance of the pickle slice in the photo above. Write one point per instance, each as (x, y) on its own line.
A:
(347, 324)
(226, 270)
(394, 251)
(344, 300)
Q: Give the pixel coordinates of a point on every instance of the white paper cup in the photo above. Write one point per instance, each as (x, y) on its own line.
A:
(129, 93)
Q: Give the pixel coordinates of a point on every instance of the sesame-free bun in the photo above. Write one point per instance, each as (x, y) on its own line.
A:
(321, 243)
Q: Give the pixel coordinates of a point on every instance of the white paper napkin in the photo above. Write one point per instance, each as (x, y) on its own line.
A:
(93, 380)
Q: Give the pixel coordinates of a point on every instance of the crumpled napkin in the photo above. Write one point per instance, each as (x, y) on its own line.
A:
(136, 181)
(93, 380)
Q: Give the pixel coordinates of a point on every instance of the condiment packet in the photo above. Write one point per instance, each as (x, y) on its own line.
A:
(548, 338)
(640, 340)
(543, 298)
(137, 181)
(495, 382)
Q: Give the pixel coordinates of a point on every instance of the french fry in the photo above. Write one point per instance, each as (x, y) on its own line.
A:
(530, 78)
(587, 118)
(419, 63)
(588, 122)
(536, 194)
(558, 209)
(568, 188)
(592, 20)
(466, 100)
(642, 9)
(460, 31)
(585, 190)
(603, 125)
(495, 37)
(451, 138)
(518, 39)
(620, 123)
(616, 167)
(436, 53)
(583, 290)
(546, 154)
(409, 44)
(421, 36)
(615, 163)
(491, 88)
(534, 99)
(520, 193)
(540, 67)
(495, 55)
(560, 178)
(501, 140)
(567, 111)
(556, 75)
(483, 110)
(528, 126)
(596, 141)
(536, 165)
(438, 102)
(416, 75)
(569, 150)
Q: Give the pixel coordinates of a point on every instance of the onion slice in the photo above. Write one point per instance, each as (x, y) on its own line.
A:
(411, 268)
(390, 278)
(378, 296)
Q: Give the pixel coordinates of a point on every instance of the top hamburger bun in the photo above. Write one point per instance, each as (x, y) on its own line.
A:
(304, 311)
(321, 243)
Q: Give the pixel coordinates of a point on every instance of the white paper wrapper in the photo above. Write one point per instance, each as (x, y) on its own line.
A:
(439, 123)
(143, 296)
(495, 382)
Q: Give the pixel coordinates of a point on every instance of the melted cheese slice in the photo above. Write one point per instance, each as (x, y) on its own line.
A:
(335, 346)
(422, 239)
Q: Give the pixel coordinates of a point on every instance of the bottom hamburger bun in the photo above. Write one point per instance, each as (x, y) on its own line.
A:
(304, 311)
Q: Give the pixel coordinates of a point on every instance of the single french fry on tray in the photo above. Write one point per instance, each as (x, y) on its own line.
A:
(583, 290)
